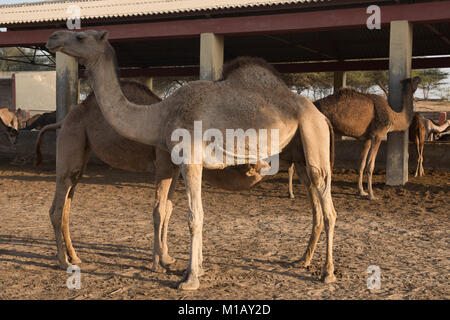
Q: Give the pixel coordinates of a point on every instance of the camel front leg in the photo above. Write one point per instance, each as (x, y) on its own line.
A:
(417, 143)
(421, 171)
(376, 141)
(166, 259)
(192, 174)
(362, 165)
(164, 174)
(291, 177)
(59, 205)
(317, 227)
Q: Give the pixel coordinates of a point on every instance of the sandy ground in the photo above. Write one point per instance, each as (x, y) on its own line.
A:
(249, 239)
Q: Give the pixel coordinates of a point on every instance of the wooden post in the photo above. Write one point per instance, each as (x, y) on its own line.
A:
(67, 85)
(400, 52)
(211, 56)
(340, 80)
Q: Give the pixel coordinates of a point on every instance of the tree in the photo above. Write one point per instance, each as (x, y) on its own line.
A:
(431, 79)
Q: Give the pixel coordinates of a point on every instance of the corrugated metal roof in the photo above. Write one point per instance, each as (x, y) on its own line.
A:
(94, 9)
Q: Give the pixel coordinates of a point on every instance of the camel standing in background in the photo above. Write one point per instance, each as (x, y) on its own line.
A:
(249, 96)
(367, 117)
(434, 129)
(417, 134)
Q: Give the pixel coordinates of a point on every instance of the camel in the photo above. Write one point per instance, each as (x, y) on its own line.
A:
(85, 131)
(9, 118)
(417, 134)
(250, 95)
(39, 121)
(434, 129)
(367, 117)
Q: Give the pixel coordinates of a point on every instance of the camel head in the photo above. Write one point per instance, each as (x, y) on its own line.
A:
(411, 84)
(86, 46)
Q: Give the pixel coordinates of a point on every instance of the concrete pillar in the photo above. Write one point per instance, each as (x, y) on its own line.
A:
(67, 85)
(148, 82)
(340, 80)
(400, 52)
(211, 56)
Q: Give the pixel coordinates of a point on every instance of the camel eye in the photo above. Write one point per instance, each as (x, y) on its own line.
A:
(81, 36)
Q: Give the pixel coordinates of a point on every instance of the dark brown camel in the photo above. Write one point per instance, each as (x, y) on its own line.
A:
(368, 117)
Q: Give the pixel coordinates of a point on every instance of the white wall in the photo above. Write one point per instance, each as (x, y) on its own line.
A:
(36, 91)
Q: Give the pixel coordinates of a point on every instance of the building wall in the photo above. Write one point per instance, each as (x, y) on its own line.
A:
(36, 91)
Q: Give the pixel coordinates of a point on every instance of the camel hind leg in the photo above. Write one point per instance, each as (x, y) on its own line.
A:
(315, 136)
(317, 227)
(291, 177)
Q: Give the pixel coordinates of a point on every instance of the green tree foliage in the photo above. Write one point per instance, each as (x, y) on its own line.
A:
(431, 79)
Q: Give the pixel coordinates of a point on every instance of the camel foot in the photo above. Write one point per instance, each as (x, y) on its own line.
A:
(362, 193)
(291, 196)
(167, 260)
(76, 261)
(301, 263)
(329, 278)
(372, 197)
(64, 264)
(191, 283)
(157, 268)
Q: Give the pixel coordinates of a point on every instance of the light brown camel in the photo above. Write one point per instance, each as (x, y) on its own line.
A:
(9, 118)
(367, 117)
(417, 134)
(434, 129)
(85, 131)
(250, 96)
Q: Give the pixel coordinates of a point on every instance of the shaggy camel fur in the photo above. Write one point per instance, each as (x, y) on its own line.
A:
(250, 95)
(367, 117)
(40, 120)
(417, 134)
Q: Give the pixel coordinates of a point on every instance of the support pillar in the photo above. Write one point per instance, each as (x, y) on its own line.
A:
(400, 52)
(340, 80)
(67, 85)
(211, 56)
(149, 83)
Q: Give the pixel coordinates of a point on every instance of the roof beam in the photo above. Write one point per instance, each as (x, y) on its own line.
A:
(360, 65)
(428, 12)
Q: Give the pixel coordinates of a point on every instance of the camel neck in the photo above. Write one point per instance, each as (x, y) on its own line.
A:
(135, 122)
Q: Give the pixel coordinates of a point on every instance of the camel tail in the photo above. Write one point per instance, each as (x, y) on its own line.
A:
(331, 144)
(37, 148)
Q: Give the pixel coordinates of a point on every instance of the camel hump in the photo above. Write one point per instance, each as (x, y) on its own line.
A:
(249, 70)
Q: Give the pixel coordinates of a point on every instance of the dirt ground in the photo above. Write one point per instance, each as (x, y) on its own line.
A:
(249, 239)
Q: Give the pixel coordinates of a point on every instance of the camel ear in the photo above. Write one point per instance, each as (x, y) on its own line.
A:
(103, 35)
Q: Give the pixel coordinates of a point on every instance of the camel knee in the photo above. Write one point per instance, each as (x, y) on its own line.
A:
(195, 224)
(317, 177)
